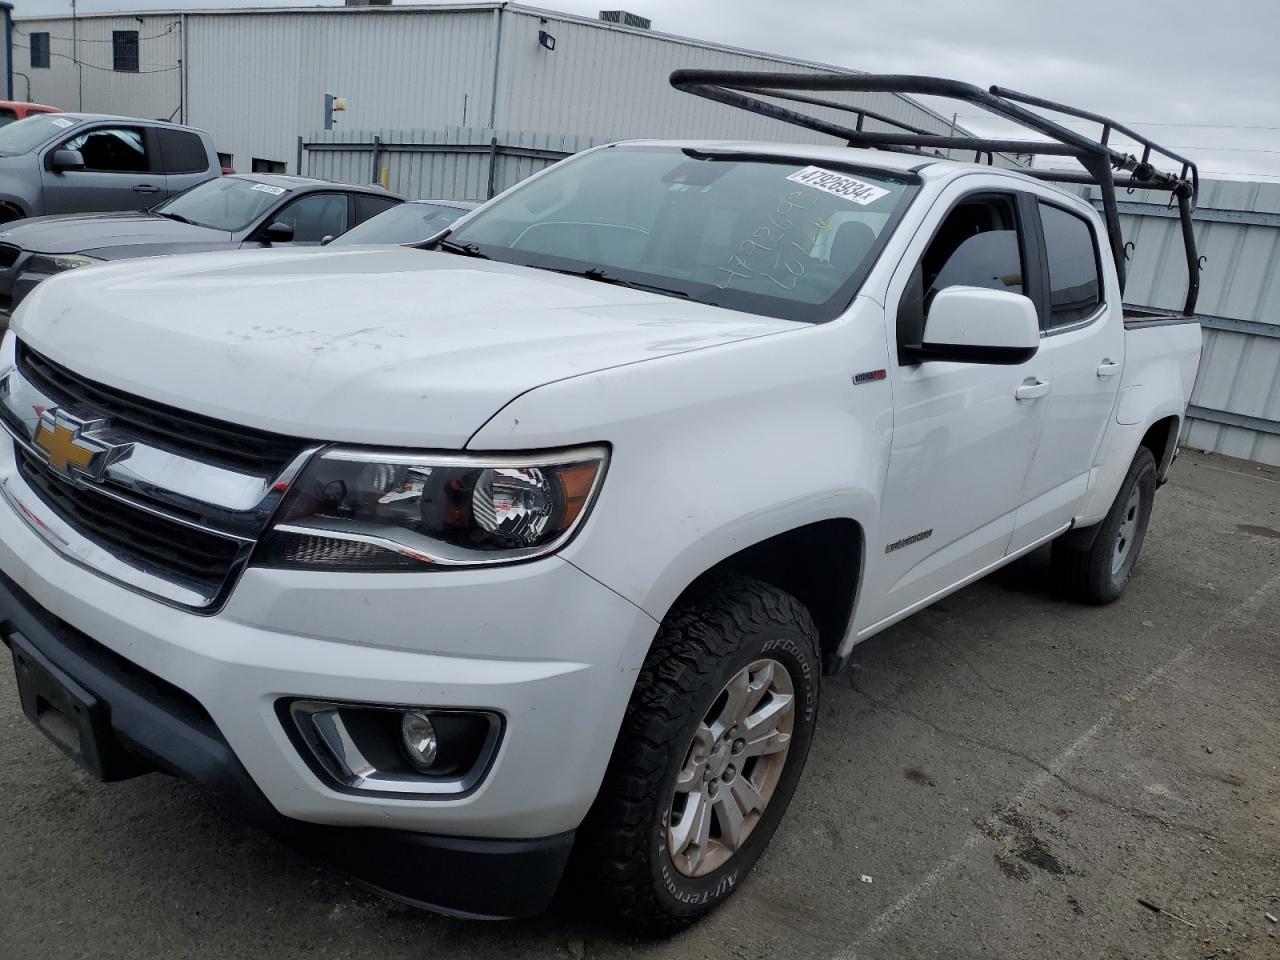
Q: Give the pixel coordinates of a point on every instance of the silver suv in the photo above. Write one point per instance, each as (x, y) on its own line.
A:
(77, 163)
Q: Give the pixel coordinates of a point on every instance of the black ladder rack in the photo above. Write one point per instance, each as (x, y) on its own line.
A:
(743, 89)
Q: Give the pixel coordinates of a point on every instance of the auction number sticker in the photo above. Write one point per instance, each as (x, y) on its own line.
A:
(63, 122)
(839, 185)
(268, 188)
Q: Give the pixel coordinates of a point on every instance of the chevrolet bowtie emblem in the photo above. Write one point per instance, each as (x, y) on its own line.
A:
(62, 438)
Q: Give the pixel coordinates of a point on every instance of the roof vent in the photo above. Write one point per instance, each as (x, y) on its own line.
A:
(626, 19)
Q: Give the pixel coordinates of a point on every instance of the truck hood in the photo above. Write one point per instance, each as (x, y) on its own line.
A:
(378, 345)
(99, 233)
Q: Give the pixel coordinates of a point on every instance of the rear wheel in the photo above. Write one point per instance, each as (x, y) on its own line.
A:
(1100, 573)
(712, 745)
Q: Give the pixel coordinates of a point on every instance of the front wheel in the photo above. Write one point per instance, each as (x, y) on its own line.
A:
(1101, 573)
(711, 748)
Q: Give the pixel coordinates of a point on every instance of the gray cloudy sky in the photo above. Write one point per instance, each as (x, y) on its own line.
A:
(1201, 76)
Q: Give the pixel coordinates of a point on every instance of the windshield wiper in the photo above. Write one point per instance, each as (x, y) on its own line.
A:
(176, 216)
(600, 276)
(462, 249)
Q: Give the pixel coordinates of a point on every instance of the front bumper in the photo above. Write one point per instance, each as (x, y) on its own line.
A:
(549, 648)
(155, 726)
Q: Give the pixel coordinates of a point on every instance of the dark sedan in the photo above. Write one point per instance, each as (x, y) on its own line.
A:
(255, 210)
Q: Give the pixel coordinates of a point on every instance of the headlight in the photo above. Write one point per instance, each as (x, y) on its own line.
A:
(58, 262)
(367, 510)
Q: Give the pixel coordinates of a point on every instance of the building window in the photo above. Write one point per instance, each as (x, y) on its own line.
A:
(227, 161)
(124, 51)
(267, 166)
(40, 50)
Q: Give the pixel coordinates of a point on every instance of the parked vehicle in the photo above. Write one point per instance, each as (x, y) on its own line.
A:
(78, 162)
(414, 222)
(11, 110)
(449, 563)
(246, 210)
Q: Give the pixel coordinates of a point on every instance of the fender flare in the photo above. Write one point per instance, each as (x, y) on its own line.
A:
(1081, 537)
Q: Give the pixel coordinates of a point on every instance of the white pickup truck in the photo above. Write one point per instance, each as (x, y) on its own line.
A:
(464, 565)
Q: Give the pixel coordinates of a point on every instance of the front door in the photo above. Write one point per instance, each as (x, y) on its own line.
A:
(1082, 355)
(962, 441)
(120, 172)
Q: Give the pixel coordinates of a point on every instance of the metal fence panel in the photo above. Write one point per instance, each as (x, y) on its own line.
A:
(451, 163)
(1235, 407)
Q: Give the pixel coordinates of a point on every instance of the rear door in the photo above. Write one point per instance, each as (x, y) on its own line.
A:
(1082, 356)
(121, 170)
(184, 159)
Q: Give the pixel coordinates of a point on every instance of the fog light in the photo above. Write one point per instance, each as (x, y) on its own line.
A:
(418, 738)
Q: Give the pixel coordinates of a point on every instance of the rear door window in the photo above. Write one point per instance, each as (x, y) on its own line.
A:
(1075, 288)
(367, 206)
(182, 151)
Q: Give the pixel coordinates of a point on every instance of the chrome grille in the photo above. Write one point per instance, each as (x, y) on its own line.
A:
(165, 502)
(195, 558)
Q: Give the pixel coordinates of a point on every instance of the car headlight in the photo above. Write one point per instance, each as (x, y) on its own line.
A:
(58, 262)
(372, 510)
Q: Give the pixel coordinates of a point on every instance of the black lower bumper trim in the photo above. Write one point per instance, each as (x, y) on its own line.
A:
(153, 725)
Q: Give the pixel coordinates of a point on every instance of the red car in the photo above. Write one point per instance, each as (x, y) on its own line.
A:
(11, 110)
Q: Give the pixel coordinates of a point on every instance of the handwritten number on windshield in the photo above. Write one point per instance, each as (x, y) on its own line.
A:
(762, 247)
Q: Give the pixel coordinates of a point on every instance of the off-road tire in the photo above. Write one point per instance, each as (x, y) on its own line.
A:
(621, 859)
(1092, 576)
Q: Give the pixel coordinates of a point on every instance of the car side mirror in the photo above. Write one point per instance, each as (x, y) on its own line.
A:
(326, 239)
(64, 160)
(278, 232)
(979, 325)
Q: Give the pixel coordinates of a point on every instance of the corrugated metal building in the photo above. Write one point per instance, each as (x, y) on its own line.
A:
(1235, 408)
(256, 79)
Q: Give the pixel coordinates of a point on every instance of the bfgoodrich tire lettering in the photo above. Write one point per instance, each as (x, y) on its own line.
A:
(624, 851)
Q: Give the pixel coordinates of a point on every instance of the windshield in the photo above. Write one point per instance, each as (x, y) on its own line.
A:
(771, 236)
(22, 136)
(404, 223)
(224, 203)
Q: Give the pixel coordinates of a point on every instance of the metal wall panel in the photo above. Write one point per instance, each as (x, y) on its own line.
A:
(256, 79)
(394, 69)
(612, 82)
(92, 85)
(1236, 401)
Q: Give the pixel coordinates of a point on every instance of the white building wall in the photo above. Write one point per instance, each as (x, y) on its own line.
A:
(394, 69)
(612, 82)
(92, 85)
(256, 79)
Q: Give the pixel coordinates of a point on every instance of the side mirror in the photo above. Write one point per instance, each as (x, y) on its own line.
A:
(326, 239)
(978, 325)
(278, 232)
(64, 160)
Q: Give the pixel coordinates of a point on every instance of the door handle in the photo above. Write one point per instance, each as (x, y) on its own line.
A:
(1031, 389)
(145, 188)
(1108, 368)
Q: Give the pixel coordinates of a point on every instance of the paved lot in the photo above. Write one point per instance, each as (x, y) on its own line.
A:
(1013, 772)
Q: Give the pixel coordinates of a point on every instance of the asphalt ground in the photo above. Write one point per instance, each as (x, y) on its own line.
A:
(1003, 775)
